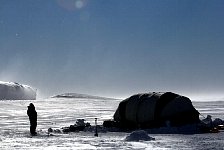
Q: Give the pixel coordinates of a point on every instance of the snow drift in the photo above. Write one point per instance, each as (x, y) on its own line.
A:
(139, 135)
(83, 96)
(16, 91)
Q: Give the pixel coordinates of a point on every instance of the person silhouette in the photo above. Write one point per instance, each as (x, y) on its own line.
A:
(31, 112)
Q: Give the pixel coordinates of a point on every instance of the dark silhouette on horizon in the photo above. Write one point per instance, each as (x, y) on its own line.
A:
(31, 112)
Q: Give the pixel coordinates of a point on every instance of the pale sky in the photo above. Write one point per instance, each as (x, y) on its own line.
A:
(114, 48)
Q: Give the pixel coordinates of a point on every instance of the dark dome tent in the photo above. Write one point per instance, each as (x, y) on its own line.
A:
(155, 110)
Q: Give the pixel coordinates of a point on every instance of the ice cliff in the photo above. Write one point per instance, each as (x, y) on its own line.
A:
(16, 91)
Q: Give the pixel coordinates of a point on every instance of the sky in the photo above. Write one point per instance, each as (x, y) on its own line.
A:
(114, 48)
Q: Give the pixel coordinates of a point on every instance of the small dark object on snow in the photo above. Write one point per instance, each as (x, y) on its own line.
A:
(80, 125)
(74, 128)
(96, 132)
(50, 130)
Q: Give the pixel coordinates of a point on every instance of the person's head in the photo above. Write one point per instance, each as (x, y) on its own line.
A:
(31, 106)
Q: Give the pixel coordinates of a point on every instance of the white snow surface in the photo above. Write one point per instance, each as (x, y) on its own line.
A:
(16, 91)
(61, 112)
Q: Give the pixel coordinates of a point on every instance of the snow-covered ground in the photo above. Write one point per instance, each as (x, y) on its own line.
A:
(61, 112)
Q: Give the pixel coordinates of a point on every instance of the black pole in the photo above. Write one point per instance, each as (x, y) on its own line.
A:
(96, 132)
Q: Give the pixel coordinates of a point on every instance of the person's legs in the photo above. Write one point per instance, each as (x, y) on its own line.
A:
(33, 128)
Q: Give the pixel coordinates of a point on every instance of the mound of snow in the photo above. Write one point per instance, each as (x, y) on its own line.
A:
(16, 91)
(139, 135)
(76, 95)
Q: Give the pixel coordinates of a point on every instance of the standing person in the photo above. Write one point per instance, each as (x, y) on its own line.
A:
(31, 112)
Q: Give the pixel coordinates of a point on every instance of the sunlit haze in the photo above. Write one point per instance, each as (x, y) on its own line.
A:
(114, 48)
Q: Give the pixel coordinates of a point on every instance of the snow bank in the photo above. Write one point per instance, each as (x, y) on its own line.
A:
(139, 135)
(84, 96)
(16, 91)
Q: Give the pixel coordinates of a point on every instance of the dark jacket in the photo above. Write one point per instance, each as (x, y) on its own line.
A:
(31, 112)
